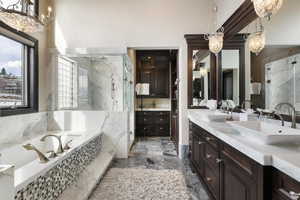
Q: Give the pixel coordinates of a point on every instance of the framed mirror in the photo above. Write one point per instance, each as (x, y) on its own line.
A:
(201, 77)
(230, 75)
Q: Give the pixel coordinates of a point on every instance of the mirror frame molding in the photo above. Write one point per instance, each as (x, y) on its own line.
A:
(196, 42)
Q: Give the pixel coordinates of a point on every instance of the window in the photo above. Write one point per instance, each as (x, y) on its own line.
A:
(67, 84)
(18, 72)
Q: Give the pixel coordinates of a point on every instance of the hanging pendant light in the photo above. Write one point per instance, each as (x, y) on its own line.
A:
(267, 8)
(215, 41)
(21, 16)
(257, 40)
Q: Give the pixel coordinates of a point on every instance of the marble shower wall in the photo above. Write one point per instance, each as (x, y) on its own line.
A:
(105, 82)
(283, 82)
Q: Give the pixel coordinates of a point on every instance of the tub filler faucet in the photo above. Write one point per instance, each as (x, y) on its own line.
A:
(60, 148)
(42, 157)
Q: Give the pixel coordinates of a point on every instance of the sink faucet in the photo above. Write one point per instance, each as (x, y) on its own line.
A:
(42, 157)
(60, 148)
(280, 117)
(279, 106)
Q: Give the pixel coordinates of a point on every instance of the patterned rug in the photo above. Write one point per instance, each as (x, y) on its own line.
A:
(138, 184)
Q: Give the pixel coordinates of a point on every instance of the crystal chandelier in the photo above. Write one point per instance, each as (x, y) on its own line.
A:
(257, 40)
(215, 41)
(21, 16)
(266, 8)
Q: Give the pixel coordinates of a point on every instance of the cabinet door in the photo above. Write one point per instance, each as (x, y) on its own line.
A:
(197, 153)
(236, 184)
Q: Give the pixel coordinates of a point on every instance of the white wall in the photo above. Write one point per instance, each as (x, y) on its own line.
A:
(225, 9)
(134, 23)
(283, 29)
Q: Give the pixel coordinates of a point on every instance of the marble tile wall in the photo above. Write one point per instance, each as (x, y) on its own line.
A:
(105, 82)
(14, 129)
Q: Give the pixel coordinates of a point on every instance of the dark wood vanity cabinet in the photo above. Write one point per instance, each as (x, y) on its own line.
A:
(153, 67)
(283, 185)
(152, 123)
(226, 173)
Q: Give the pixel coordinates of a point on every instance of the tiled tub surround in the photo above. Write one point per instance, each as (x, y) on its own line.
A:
(63, 172)
(81, 127)
(282, 157)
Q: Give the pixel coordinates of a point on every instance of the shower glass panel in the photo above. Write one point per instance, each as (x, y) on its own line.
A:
(128, 85)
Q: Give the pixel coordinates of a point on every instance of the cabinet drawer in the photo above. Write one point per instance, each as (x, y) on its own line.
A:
(142, 120)
(211, 156)
(162, 113)
(212, 140)
(164, 119)
(283, 185)
(146, 129)
(247, 165)
(212, 180)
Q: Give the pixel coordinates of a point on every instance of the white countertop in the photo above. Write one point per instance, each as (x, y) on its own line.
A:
(285, 158)
(153, 109)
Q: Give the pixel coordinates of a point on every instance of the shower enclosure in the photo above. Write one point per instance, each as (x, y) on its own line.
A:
(93, 80)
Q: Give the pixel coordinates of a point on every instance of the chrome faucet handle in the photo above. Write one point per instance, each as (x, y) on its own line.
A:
(52, 154)
(67, 146)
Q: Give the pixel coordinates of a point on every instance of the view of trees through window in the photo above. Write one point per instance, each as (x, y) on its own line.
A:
(12, 90)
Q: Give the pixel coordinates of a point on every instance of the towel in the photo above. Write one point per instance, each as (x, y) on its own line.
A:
(142, 88)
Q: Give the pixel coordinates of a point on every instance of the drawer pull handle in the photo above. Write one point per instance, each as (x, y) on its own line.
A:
(161, 128)
(161, 119)
(294, 195)
(208, 156)
(218, 160)
(208, 179)
(200, 143)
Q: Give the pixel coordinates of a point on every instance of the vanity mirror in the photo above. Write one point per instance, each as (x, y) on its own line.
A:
(230, 75)
(275, 71)
(201, 77)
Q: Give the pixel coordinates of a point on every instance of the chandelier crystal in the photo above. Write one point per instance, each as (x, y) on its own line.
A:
(21, 17)
(215, 42)
(266, 8)
(257, 40)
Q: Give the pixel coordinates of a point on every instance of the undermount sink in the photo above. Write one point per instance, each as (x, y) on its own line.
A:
(267, 133)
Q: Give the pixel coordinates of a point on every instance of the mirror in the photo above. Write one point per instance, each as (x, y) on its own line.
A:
(275, 71)
(282, 82)
(200, 77)
(230, 75)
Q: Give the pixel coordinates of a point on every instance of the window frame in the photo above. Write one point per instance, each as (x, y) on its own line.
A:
(32, 75)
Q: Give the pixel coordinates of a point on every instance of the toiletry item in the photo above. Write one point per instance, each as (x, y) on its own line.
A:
(212, 104)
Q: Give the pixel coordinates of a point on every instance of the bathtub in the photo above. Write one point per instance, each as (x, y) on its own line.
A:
(28, 168)
(23, 176)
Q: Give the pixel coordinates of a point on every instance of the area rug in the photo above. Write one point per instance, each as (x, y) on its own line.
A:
(138, 184)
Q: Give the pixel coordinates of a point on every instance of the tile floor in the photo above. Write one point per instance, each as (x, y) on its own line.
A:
(160, 154)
